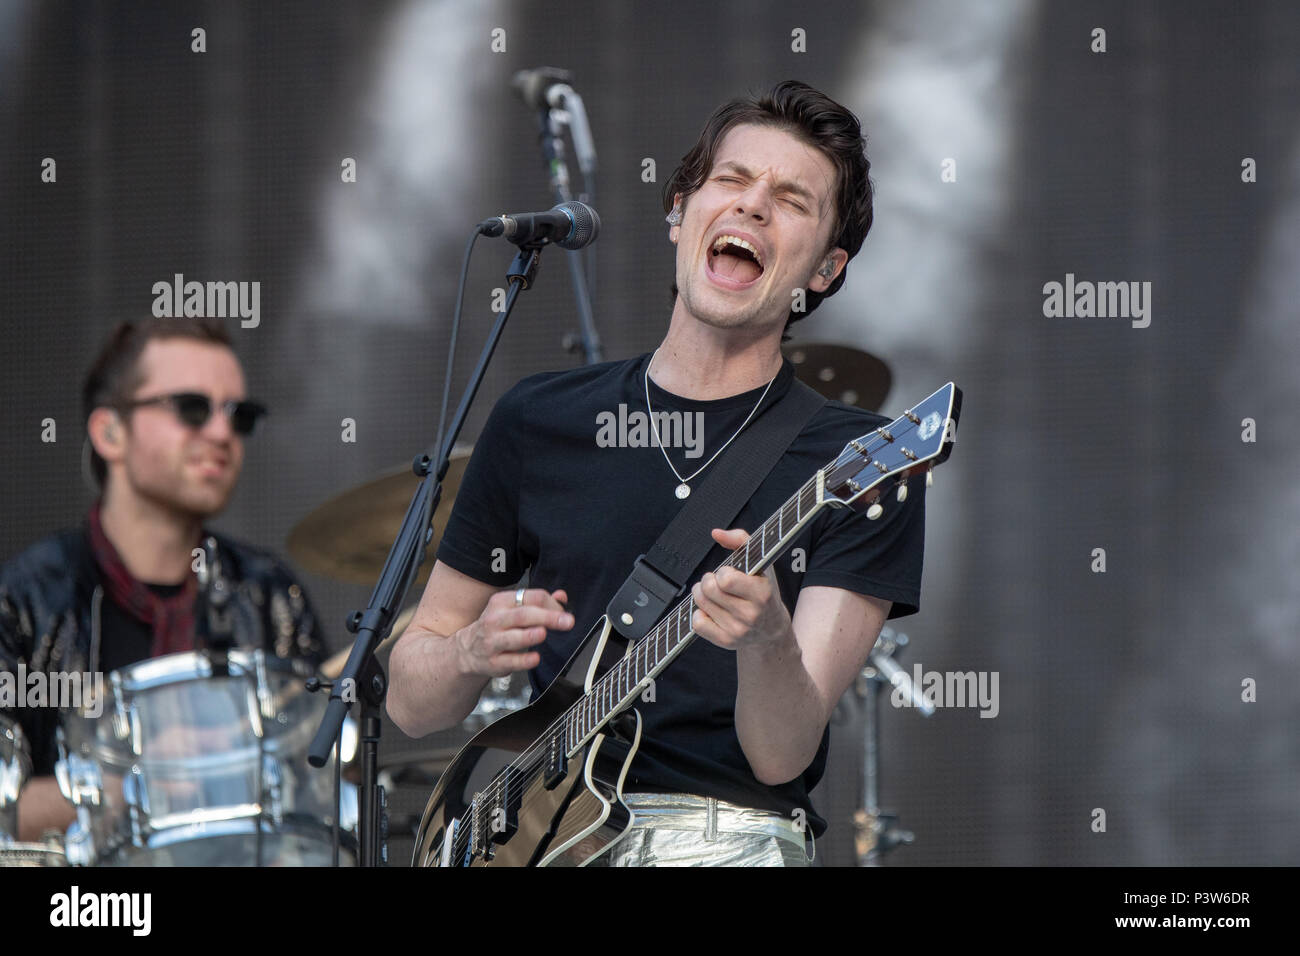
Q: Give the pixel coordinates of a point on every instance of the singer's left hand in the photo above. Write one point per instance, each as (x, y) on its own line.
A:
(735, 609)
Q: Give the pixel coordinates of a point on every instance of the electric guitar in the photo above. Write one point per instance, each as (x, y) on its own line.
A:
(527, 790)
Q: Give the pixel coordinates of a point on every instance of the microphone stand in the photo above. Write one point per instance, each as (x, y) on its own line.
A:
(362, 679)
(553, 153)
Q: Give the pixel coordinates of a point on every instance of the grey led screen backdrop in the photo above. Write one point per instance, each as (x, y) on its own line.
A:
(1015, 144)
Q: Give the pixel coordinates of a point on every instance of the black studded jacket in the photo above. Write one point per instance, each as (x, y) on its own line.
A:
(51, 619)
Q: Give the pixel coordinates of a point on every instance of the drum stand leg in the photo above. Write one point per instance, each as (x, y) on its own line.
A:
(877, 832)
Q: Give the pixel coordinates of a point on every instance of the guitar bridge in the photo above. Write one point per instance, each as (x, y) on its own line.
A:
(476, 843)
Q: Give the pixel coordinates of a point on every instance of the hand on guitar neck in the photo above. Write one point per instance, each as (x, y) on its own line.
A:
(735, 610)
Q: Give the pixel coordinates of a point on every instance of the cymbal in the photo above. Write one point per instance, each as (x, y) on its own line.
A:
(348, 537)
(842, 373)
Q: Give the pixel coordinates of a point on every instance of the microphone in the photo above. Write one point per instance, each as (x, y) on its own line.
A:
(549, 87)
(570, 225)
(535, 85)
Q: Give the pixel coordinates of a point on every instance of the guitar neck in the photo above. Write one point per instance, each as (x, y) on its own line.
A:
(618, 686)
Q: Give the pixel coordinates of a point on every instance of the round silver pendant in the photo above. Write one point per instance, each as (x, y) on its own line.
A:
(683, 490)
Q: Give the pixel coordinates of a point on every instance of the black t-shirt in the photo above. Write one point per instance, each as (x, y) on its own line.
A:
(127, 640)
(564, 485)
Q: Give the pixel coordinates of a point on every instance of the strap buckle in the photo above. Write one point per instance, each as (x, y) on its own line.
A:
(641, 601)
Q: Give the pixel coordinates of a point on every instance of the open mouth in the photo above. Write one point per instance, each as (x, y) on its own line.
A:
(735, 259)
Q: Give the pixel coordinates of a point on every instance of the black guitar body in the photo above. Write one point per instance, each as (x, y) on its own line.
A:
(565, 816)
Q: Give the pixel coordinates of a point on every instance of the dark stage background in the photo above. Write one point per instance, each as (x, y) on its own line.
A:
(1119, 690)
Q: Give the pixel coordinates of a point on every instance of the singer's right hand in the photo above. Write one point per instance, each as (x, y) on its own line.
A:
(498, 643)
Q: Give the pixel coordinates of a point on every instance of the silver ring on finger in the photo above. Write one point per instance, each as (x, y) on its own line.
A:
(519, 597)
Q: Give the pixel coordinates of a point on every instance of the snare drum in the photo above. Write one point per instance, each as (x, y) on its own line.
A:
(201, 760)
(15, 769)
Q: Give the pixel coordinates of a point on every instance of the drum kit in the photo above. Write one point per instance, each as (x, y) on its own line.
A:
(199, 758)
(195, 759)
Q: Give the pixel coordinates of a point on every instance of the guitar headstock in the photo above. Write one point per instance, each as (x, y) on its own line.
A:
(918, 440)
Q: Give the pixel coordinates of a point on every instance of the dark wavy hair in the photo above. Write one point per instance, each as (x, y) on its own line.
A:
(817, 120)
(115, 374)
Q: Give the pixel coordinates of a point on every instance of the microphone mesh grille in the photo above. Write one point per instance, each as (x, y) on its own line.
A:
(586, 225)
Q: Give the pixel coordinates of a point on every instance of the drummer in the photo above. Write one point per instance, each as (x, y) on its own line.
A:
(166, 414)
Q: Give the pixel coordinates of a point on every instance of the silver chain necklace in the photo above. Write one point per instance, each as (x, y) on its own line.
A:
(684, 489)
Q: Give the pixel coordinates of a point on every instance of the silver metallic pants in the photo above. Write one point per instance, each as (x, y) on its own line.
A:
(675, 829)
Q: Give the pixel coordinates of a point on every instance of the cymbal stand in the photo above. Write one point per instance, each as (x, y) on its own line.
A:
(875, 831)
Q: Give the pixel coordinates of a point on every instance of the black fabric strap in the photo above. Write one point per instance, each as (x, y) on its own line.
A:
(659, 575)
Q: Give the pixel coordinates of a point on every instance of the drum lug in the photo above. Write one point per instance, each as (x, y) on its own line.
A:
(79, 780)
(79, 841)
(136, 726)
(135, 794)
(273, 788)
(265, 698)
(121, 719)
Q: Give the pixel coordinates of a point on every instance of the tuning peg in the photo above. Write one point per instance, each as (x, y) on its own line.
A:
(929, 478)
(902, 493)
(875, 511)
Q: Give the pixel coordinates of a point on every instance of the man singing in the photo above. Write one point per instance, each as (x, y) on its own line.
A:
(765, 211)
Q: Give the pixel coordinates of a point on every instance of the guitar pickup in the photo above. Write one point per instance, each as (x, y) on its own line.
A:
(503, 819)
(557, 764)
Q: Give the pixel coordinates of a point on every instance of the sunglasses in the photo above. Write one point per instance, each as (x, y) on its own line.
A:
(194, 409)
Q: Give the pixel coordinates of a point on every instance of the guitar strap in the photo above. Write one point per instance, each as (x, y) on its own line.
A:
(658, 576)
